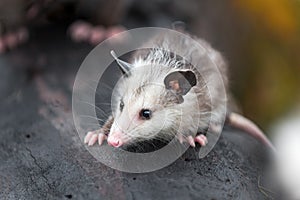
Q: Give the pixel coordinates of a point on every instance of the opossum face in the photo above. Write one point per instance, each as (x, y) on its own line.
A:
(148, 105)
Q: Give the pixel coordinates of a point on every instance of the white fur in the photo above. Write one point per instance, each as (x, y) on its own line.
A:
(149, 73)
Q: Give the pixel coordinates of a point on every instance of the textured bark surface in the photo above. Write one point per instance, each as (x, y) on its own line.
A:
(42, 156)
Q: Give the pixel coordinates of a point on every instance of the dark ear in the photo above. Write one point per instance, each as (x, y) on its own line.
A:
(124, 66)
(180, 81)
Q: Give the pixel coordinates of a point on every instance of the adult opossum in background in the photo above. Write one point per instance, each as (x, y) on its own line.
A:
(144, 111)
(94, 20)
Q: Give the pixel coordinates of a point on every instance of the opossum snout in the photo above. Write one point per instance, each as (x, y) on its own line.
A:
(115, 139)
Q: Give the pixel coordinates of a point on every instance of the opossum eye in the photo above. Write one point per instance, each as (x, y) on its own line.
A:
(121, 105)
(145, 114)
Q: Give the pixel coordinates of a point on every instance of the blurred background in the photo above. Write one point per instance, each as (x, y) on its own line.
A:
(259, 39)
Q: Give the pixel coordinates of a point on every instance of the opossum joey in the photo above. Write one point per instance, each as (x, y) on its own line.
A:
(162, 96)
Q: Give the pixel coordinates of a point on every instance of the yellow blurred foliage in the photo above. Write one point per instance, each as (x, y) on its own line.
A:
(269, 64)
(279, 16)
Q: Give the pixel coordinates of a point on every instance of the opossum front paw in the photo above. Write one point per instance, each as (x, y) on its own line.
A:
(10, 40)
(93, 136)
(200, 139)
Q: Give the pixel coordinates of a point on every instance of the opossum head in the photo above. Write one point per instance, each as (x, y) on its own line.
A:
(147, 104)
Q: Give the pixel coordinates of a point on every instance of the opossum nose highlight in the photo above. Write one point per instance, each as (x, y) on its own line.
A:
(114, 141)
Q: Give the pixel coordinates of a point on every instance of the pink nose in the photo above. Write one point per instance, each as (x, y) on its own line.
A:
(113, 141)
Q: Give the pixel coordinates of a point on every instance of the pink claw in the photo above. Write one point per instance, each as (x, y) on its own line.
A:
(93, 140)
(88, 137)
(201, 139)
(180, 138)
(101, 138)
(191, 141)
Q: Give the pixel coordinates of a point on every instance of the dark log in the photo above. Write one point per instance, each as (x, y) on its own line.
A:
(42, 156)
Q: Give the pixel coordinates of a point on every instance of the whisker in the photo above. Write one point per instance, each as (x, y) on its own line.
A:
(89, 123)
(103, 103)
(96, 89)
(102, 111)
(88, 116)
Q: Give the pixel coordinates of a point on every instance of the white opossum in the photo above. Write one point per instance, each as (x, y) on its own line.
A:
(144, 111)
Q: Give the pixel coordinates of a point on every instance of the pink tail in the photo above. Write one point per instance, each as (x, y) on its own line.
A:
(240, 122)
